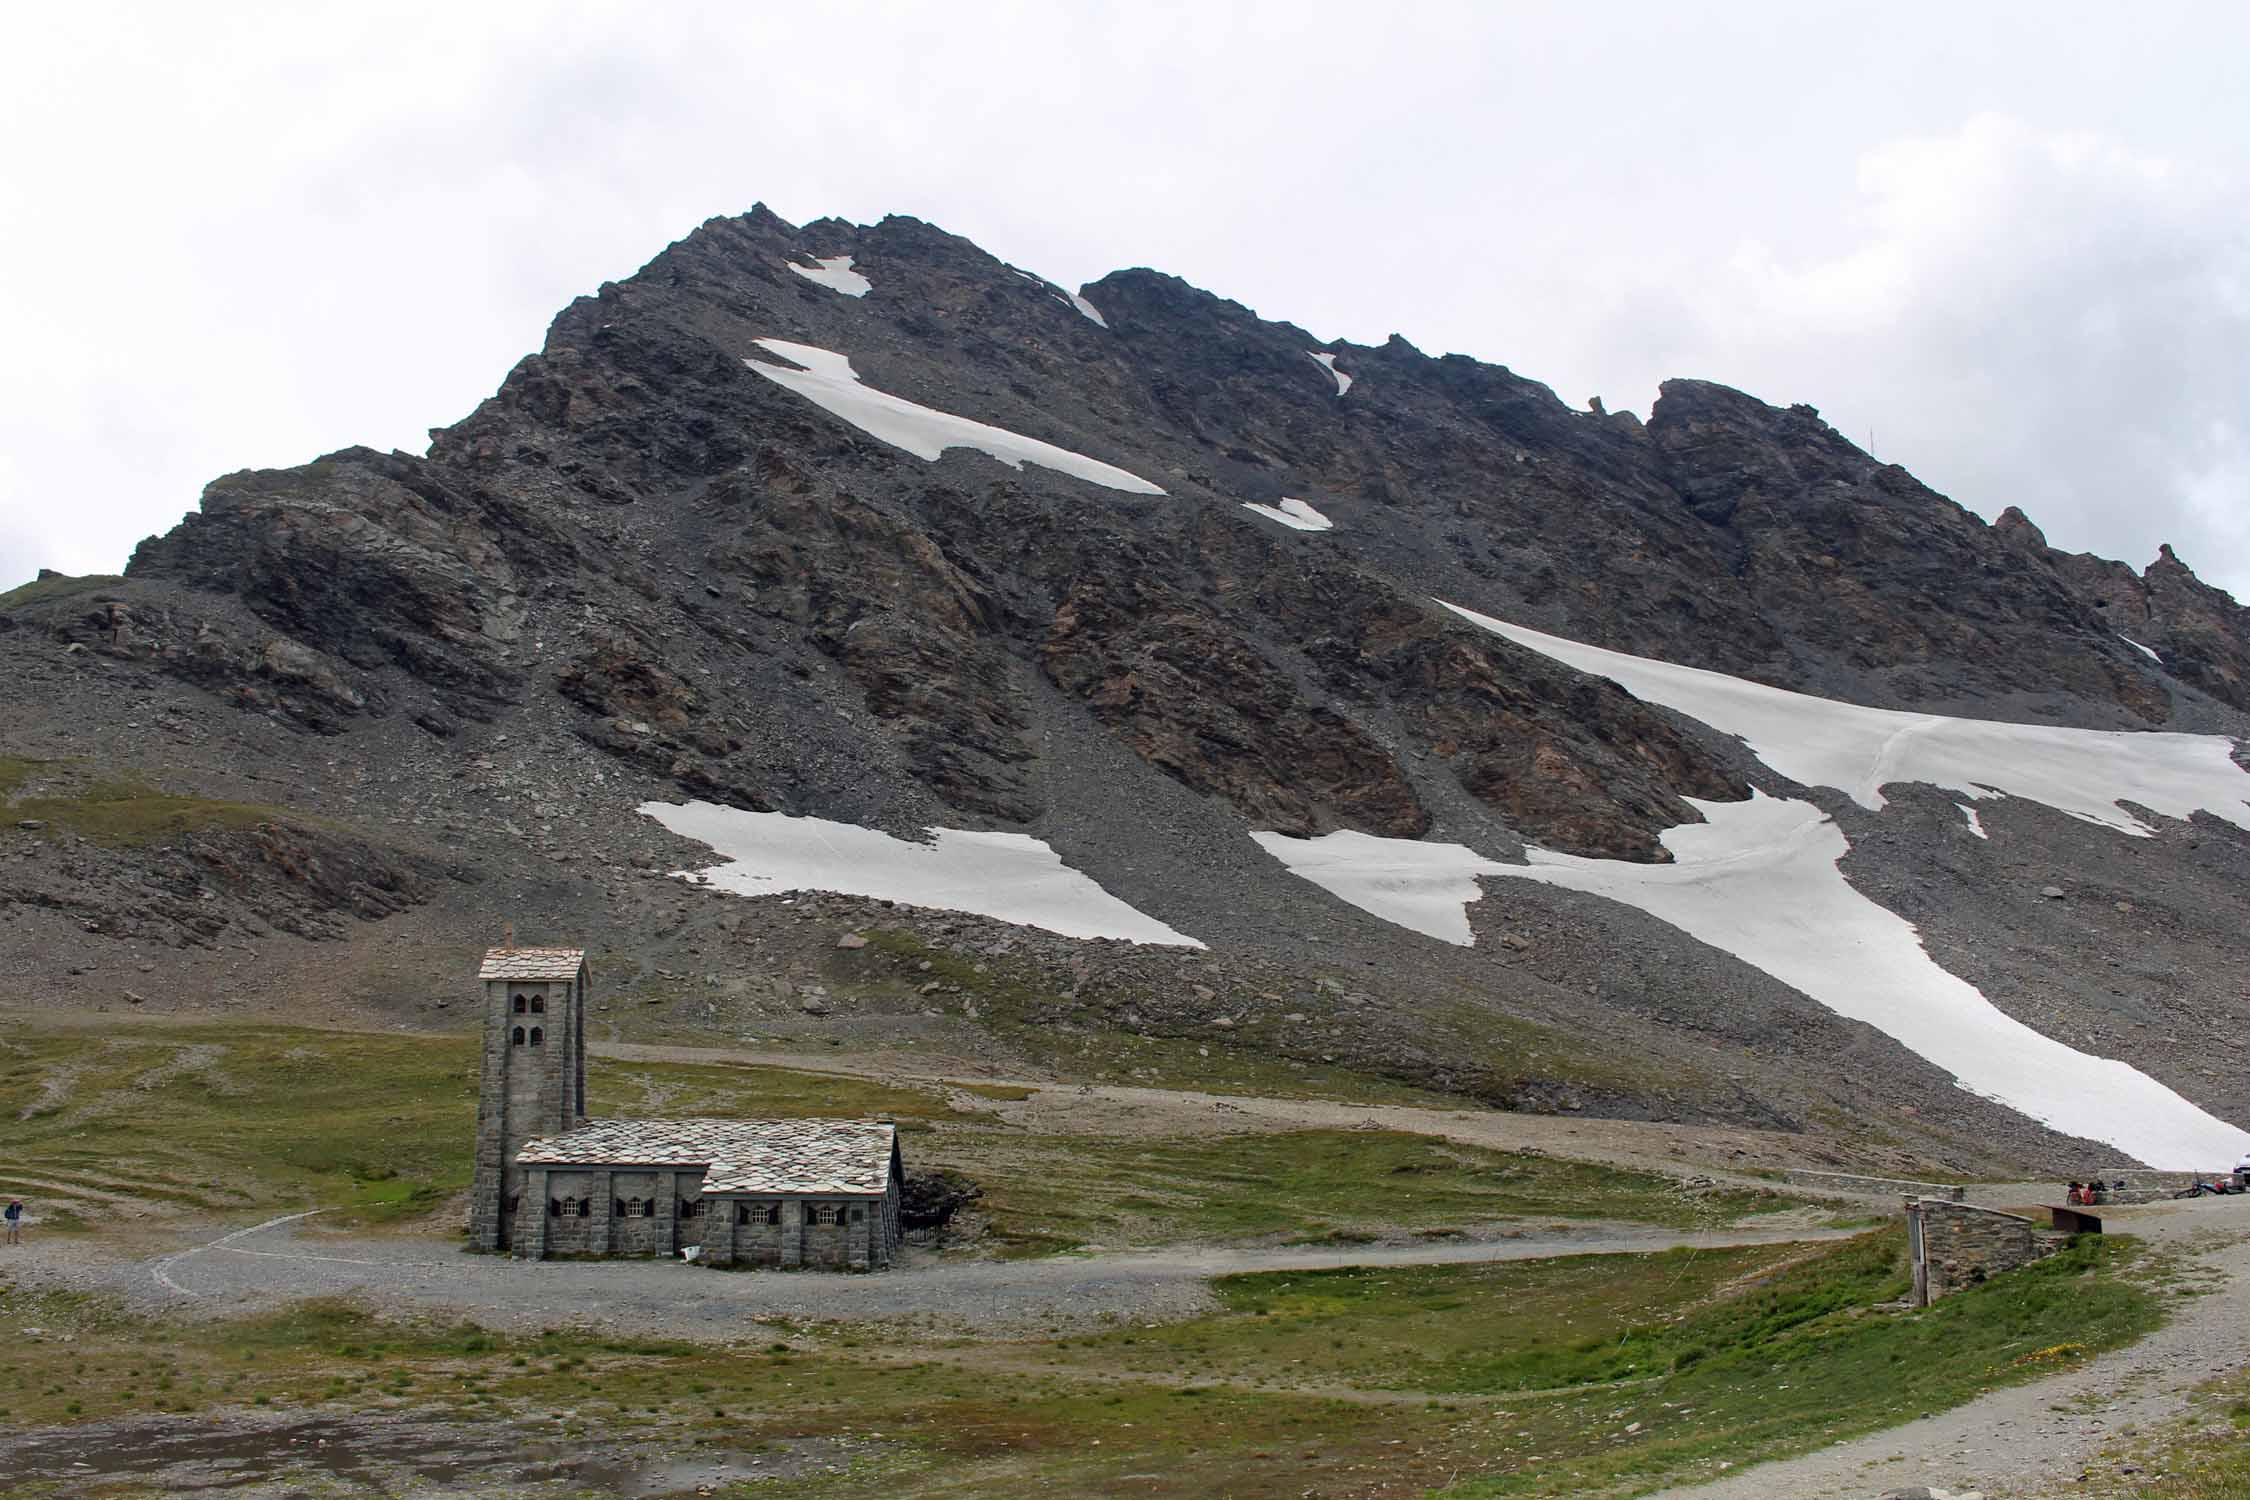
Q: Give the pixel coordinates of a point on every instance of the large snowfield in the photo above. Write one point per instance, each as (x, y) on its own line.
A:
(1858, 751)
(829, 382)
(1011, 877)
(1759, 879)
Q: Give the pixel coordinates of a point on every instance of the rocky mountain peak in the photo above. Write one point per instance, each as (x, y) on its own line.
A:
(925, 541)
(2018, 531)
(639, 466)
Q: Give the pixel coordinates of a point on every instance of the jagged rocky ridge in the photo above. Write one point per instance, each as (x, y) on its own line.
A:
(709, 585)
(637, 466)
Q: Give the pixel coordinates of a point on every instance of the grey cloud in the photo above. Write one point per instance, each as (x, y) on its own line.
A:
(2032, 318)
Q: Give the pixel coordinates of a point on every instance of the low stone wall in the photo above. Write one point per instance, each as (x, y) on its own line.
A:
(1960, 1245)
(2151, 1177)
(2146, 1184)
(1850, 1182)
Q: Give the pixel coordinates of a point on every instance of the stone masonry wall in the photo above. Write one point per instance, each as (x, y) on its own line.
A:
(1963, 1245)
(648, 1233)
(861, 1244)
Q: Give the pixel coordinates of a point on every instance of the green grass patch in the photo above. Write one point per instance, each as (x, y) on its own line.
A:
(1046, 1193)
(757, 1091)
(1005, 1093)
(1809, 1359)
(1454, 1330)
(15, 770)
(116, 810)
(944, 1425)
(1598, 1375)
(40, 590)
(236, 1118)
(1085, 1039)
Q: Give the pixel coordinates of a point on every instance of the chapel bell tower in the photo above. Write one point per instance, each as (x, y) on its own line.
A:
(533, 1078)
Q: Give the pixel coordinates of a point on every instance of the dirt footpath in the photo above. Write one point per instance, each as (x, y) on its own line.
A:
(2034, 1440)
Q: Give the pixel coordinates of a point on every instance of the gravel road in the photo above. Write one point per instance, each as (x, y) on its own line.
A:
(285, 1259)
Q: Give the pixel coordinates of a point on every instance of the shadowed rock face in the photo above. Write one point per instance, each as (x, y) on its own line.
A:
(2198, 631)
(1194, 696)
(731, 587)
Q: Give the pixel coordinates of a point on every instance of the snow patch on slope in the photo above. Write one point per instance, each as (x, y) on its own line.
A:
(2145, 651)
(1976, 824)
(1293, 513)
(1008, 876)
(1328, 362)
(1084, 309)
(829, 382)
(2086, 773)
(1425, 888)
(835, 273)
(1759, 880)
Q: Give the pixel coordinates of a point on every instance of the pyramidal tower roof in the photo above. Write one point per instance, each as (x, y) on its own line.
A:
(532, 963)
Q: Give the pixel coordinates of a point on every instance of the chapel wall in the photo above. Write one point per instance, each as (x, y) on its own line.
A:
(647, 1233)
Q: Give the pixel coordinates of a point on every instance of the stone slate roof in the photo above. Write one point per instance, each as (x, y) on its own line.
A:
(532, 963)
(742, 1156)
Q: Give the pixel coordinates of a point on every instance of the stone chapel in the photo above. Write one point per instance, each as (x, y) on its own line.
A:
(549, 1181)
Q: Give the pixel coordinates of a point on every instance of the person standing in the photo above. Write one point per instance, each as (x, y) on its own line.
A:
(14, 1216)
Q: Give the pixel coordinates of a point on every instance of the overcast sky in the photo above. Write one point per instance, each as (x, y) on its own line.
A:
(2008, 244)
